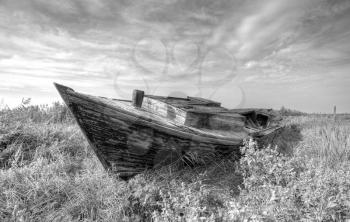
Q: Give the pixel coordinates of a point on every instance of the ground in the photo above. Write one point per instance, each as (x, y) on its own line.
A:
(49, 173)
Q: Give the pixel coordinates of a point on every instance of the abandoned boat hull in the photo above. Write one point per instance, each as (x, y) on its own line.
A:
(128, 140)
(125, 144)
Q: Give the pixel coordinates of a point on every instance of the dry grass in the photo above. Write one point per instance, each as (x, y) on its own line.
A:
(48, 173)
(325, 140)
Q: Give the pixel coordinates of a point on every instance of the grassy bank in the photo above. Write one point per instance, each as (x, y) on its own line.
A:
(48, 173)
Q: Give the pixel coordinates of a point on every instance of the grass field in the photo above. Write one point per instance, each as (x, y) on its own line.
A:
(49, 173)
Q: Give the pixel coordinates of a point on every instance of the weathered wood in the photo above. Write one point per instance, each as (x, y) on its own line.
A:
(128, 140)
(205, 102)
(137, 98)
(125, 113)
(64, 92)
(216, 121)
(208, 115)
(163, 109)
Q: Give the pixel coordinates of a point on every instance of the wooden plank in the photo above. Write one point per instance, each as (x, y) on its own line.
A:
(225, 122)
(203, 101)
(165, 110)
(64, 93)
(198, 116)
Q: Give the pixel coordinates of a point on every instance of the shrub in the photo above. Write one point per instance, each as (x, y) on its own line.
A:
(280, 188)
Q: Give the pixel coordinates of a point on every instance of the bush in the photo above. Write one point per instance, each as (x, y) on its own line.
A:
(279, 188)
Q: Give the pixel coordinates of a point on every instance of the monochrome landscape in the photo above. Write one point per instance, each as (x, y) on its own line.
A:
(175, 110)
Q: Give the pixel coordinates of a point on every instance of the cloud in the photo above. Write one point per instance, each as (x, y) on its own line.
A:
(198, 44)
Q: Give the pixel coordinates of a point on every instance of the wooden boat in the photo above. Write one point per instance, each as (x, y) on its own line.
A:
(130, 136)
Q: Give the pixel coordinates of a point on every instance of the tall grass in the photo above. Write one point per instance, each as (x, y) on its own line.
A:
(325, 140)
(48, 173)
(25, 113)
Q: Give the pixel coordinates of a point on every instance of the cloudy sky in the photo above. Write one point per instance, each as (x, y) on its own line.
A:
(251, 53)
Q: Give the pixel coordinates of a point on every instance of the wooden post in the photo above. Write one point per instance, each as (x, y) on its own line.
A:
(334, 112)
(137, 98)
